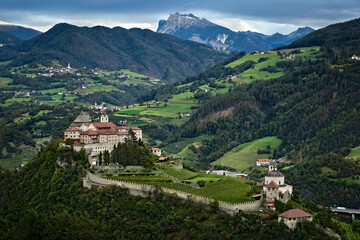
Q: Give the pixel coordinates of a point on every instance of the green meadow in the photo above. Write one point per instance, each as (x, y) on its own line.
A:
(245, 155)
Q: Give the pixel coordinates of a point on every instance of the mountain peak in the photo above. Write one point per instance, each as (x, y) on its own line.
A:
(191, 27)
(184, 21)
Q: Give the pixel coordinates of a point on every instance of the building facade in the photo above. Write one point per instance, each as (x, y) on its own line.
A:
(97, 137)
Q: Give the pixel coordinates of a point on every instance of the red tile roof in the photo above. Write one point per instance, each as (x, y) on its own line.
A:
(155, 149)
(295, 213)
(90, 132)
(101, 125)
(272, 184)
(163, 158)
(72, 129)
(263, 160)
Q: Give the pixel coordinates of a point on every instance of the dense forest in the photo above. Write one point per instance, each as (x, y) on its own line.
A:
(46, 201)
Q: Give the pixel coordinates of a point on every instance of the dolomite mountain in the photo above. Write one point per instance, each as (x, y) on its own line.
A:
(190, 27)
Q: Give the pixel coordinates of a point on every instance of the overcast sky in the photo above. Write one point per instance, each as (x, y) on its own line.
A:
(265, 16)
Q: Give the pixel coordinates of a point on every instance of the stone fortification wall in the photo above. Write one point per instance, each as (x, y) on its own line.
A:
(145, 190)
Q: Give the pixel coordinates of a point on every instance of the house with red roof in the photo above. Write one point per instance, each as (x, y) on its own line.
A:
(156, 151)
(294, 216)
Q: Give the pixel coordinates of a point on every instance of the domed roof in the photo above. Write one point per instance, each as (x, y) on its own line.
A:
(274, 174)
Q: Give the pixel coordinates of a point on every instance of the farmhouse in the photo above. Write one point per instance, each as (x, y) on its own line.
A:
(293, 216)
(262, 162)
(156, 151)
(98, 136)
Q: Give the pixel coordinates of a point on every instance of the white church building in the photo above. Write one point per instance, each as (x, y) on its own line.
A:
(275, 186)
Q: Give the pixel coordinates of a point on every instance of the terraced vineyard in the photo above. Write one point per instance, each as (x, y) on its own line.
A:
(218, 187)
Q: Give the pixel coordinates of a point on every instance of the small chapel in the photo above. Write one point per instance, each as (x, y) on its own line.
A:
(275, 187)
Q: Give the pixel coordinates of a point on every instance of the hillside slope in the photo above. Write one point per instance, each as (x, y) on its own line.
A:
(190, 27)
(143, 51)
(340, 39)
(7, 38)
(19, 31)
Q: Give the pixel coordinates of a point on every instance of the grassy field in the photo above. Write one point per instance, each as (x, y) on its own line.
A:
(228, 189)
(178, 146)
(5, 63)
(15, 161)
(10, 101)
(272, 58)
(180, 103)
(181, 174)
(355, 153)
(4, 81)
(245, 155)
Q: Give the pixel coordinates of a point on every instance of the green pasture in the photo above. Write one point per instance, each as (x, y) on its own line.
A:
(178, 146)
(10, 101)
(4, 81)
(245, 155)
(355, 153)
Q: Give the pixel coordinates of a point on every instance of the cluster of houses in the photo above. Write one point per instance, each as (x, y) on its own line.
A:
(266, 162)
(228, 173)
(103, 106)
(50, 71)
(288, 56)
(258, 53)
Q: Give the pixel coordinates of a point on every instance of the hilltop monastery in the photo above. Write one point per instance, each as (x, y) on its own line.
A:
(97, 136)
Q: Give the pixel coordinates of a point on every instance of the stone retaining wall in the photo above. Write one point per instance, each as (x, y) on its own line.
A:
(145, 190)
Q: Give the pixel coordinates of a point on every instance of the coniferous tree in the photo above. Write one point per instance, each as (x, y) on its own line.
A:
(100, 159)
(106, 157)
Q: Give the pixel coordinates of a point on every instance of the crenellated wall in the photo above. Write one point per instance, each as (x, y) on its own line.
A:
(145, 190)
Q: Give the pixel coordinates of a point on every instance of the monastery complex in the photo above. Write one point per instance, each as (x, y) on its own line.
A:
(97, 137)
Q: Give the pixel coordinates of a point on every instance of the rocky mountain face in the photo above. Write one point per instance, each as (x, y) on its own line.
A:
(17, 31)
(190, 27)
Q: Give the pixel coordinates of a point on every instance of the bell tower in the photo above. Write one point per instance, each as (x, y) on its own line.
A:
(104, 117)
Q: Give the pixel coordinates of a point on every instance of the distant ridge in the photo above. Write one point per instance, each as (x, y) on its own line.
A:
(190, 27)
(19, 31)
(143, 51)
(7, 38)
(345, 34)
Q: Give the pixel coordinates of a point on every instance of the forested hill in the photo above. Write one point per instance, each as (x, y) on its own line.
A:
(8, 38)
(46, 201)
(143, 51)
(341, 38)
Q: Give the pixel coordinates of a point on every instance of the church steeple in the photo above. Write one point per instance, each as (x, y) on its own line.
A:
(272, 166)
